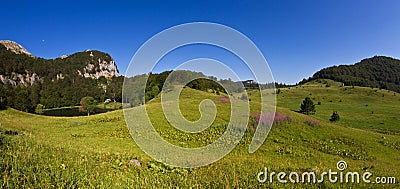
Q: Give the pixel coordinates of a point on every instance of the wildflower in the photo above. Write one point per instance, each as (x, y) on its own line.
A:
(223, 99)
(63, 166)
(312, 122)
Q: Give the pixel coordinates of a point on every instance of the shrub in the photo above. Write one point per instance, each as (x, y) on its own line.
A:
(39, 109)
(334, 117)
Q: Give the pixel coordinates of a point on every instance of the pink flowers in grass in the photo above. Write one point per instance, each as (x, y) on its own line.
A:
(312, 122)
(267, 118)
(224, 99)
(281, 119)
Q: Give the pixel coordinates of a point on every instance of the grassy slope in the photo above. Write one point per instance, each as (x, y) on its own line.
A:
(95, 151)
(359, 107)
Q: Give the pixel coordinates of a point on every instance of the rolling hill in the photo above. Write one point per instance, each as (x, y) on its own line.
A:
(97, 151)
(378, 71)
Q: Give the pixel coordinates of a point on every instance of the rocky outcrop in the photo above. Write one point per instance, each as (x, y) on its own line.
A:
(15, 47)
(105, 68)
(23, 79)
(89, 64)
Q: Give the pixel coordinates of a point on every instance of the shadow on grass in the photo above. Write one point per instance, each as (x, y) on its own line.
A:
(73, 111)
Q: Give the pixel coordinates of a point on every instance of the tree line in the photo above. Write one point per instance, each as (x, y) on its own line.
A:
(60, 93)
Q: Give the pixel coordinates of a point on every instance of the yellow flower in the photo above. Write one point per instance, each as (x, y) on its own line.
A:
(63, 166)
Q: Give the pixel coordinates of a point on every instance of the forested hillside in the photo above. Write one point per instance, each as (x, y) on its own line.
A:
(378, 71)
(26, 80)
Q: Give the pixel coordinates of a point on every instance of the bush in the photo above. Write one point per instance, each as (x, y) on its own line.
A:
(334, 117)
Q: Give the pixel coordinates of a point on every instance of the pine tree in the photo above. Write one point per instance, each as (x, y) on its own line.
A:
(307, 107)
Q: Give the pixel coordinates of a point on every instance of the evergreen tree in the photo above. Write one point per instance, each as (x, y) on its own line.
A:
(307, 107)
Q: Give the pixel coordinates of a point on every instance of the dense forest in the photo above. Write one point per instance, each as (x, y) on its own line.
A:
(378, 71)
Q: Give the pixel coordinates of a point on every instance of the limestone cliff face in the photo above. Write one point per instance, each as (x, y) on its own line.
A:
(103, 66)
(19, 66)
(15, 47)
(23, 79)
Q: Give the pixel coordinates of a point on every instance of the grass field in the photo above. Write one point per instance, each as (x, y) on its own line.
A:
(98, 152)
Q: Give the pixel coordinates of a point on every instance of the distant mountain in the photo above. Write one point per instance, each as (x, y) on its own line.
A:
(27, 80)
(18, 66)
(378, 71)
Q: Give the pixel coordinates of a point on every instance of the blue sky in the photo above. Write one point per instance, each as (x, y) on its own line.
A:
(296, 37)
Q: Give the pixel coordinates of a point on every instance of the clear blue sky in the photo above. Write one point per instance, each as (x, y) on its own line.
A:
(296, 37)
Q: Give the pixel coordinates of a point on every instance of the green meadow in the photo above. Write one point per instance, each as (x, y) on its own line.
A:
(97, 151)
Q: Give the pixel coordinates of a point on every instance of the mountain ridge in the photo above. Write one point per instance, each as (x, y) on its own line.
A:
(19, 66)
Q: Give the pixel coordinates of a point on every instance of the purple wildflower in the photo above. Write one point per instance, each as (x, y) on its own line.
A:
(312, 122)
(224, 99)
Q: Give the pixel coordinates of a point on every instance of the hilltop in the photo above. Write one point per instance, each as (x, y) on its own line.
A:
(18, 66)
(378, 71)
(15, 47)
